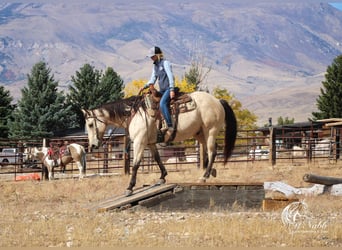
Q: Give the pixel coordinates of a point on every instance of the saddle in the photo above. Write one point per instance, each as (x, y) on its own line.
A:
(54, 153)
(58, 152)
(181, 103)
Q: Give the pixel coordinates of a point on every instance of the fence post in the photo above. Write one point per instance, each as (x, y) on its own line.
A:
(105, 158)
(335, 134)
(272, 146)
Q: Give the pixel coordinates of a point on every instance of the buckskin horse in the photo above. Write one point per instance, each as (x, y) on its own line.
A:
(72, 152)
(203, 121)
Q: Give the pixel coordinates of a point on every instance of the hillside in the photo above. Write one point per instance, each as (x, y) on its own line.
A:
(272, 56)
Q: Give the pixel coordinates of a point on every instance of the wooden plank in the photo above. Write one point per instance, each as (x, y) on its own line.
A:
(334, 124)
(330, 120)
(110, 199)
(135, 197)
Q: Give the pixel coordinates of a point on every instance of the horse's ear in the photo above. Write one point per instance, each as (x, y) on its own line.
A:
(85, 112)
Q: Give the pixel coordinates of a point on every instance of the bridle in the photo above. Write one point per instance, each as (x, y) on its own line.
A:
(97, 129)
(127, 121)
(95, 124)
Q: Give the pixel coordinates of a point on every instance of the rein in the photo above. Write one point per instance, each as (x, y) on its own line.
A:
(127, 120)
(96, 128)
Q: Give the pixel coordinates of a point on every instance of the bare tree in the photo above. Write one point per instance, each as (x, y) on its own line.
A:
(199, 68)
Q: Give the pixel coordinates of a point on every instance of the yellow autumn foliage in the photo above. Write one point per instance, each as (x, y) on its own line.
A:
(245, 118)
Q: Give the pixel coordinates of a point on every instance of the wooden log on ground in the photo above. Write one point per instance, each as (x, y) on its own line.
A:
(323, 180)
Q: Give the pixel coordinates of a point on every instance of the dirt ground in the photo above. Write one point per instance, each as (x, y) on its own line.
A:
(53, 213)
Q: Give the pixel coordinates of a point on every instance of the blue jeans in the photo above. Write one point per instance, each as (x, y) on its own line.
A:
(164, 106)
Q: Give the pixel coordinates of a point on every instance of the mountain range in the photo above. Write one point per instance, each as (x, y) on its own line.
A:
(271, 55)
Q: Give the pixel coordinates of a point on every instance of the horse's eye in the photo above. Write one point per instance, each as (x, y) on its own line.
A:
(90, 125)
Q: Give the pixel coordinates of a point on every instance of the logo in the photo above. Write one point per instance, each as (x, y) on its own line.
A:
(297, 217)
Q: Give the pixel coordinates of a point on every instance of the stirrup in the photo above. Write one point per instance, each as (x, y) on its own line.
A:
(170, 131)
(164, 129)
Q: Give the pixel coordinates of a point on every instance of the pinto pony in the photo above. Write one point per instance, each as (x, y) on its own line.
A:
(72, 152)
(203, 123)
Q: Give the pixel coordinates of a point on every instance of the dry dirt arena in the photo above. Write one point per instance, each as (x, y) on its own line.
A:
(53, 214)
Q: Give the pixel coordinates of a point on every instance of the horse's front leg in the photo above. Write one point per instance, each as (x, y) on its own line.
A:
(138, 151)
(51, 173)
(156, 157)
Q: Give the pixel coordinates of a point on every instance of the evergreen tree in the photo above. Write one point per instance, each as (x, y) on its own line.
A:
(329, 102)
(42, 110)
(111, 86)
(5, 111)
(90, 89)
(83, 93)
(284, 121)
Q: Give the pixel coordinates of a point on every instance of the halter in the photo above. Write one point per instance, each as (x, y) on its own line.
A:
(127, 120)
(96, 128)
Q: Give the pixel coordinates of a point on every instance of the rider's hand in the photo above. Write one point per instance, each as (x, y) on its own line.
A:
(172, 94)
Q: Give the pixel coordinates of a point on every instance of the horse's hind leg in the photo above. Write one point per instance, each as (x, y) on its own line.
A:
(80, 168)
(156, 157)
(211, 149)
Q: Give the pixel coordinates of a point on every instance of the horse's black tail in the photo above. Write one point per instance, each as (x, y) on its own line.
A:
(230, 131)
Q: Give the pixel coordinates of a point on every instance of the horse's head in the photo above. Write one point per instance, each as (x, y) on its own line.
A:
(34, 153)
(95, 126)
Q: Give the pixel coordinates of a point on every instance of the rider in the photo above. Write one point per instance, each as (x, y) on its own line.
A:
(162, 72)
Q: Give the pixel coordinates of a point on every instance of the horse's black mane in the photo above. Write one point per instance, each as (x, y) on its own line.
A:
(123, 107)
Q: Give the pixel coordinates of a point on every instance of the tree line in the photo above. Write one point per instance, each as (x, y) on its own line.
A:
(43, 110)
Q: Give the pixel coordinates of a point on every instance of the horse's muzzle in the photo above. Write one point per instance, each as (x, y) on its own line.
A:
(91, 147)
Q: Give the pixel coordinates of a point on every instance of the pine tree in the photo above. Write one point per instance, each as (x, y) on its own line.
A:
(41, 110)
(284, 121)
(5, 111)
(83, 92)
(90, 89)
(111, 86)
(329, 102)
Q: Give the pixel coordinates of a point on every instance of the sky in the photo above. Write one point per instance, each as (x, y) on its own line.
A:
(337, 5)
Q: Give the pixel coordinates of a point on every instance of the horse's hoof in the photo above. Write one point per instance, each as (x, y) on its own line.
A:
(161, 182)
(202, 180)
(213, 172)
(128, 192)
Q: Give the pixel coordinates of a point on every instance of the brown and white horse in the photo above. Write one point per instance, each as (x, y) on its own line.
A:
(73, 152)
(202, 123)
